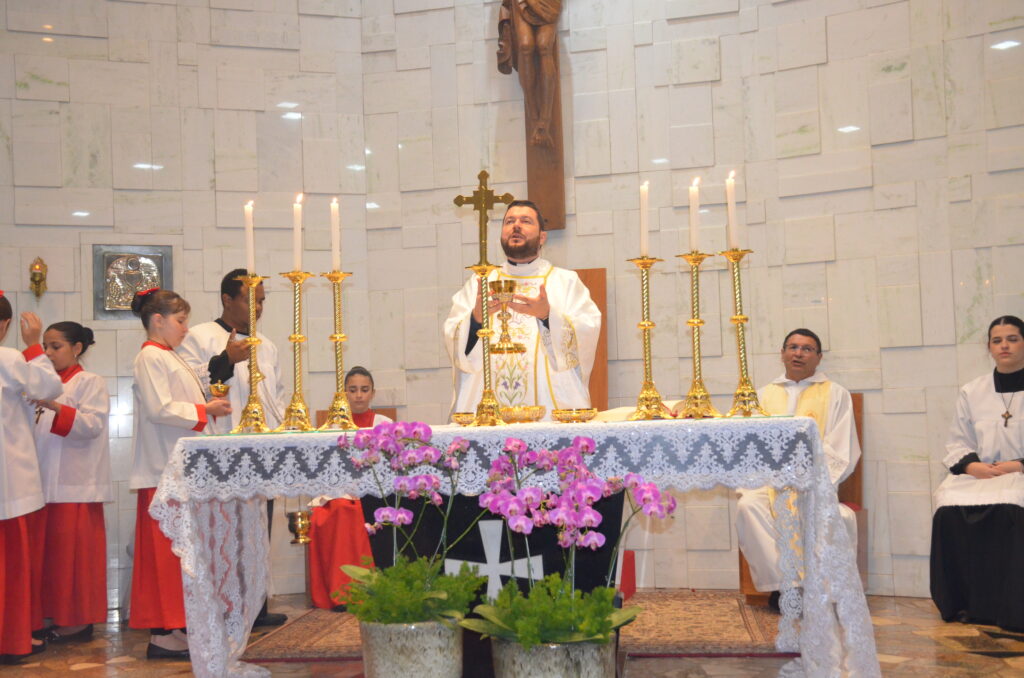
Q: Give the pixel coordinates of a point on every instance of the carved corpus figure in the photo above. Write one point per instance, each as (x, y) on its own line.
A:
(527, 42)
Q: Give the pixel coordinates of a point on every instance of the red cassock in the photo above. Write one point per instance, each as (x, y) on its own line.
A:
(75, 568)
(15, 587)
(158, 600)
(338, 537)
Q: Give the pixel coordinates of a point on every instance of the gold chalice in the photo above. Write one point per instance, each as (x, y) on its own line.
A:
(298, 525)
(219, 389)
(502, 291)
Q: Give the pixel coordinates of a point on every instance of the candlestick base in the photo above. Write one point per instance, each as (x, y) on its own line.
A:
(253, 419)
(649, 405)
(488, 413)
(744, 401)
(296, 416)
(697, 404)
(339, 416)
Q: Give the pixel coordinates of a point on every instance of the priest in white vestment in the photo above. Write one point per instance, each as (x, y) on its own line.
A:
(800, 391)
(216, 351)
(553, 316)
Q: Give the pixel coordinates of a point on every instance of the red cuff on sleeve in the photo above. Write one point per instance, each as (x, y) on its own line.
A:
(201, 409)
(33, 352)
(63, 420)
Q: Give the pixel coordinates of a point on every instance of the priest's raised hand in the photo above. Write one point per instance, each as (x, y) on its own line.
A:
(237, 349)
(537, 306)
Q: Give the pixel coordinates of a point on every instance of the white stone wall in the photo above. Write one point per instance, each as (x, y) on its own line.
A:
(896, 242)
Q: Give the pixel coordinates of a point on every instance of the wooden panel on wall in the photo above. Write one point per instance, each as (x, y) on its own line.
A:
(596, 281)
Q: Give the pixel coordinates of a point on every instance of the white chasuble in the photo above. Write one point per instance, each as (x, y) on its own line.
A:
(979, 427)
(555, 369)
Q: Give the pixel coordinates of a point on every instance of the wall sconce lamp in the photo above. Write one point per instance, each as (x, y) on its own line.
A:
(37, 276)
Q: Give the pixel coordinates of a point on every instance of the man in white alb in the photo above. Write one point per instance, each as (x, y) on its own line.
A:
(553, 316)
(801, 391)
(217, 352)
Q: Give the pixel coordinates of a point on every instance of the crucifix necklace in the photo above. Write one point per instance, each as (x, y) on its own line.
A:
(1006, 415)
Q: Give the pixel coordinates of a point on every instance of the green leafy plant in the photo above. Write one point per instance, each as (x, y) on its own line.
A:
(410, 591)
(554, 612)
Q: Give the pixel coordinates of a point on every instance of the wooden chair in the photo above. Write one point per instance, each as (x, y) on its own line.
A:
(851, 493)
(391, 412)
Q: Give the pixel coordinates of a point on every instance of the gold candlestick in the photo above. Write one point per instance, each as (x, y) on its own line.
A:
(697, 404)
(252, 420)
(744, 401)
(648, 403)
(339, 416)
(503, 291)
(296, 415)
(488, 413)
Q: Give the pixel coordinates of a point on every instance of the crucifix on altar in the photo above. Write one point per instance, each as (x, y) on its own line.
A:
(528, 43)
(488, 412)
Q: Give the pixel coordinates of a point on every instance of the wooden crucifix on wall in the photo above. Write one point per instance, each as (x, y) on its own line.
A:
(528, 43)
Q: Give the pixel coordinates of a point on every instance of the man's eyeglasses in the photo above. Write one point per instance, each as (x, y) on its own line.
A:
(806, 350)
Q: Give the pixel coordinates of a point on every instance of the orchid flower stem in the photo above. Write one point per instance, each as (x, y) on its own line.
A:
(476, 520)
(618, 540)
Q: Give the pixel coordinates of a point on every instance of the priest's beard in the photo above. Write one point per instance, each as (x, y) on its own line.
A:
(525, 252)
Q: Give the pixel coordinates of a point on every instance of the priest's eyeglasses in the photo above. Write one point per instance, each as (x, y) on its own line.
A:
(806, 350)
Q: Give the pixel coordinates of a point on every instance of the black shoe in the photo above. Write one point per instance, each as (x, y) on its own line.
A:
(773, 602)
(15, 658)
(157, 652)
(59, 638)
(42, 633)
(340, 608)
(271, 619)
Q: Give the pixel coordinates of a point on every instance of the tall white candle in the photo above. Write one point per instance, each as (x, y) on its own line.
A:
(731, 227)
(644, 234)
(297, 233)
(335, 236)
(250, 240)
(695, 215)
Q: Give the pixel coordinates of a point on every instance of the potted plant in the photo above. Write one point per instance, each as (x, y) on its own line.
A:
(555, 630)
(408, 612)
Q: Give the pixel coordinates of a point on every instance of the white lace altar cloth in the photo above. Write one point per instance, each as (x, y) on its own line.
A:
(210, 504)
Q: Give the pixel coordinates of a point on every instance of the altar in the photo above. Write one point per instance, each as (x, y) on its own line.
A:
(210, 503)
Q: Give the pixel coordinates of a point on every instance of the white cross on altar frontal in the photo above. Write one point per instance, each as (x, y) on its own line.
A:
(493, 568)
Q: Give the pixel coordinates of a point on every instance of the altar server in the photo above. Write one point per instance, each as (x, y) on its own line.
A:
(217, 352)
(337, 532)
(25, 374)
(977, 550)
(74, 462)
(169, 404)
(805, 392)
(553, 316)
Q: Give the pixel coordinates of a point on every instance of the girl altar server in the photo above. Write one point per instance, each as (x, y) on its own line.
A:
(978, 528)
(337, 534)
(23, 374)
(169, 404)
(74, 463)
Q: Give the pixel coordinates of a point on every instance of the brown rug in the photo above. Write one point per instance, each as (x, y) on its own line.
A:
(673, 623)
(318, 635)
(685, 623)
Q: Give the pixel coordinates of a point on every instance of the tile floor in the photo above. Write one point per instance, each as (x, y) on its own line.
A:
(911, 640)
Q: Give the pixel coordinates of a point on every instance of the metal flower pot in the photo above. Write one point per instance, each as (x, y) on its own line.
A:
(421, 649)
(555, 660)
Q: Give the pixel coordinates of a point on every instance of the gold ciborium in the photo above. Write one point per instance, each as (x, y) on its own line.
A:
(463, 418)
(502, 291)
(522, 414)
(298, 525)
(219, 389)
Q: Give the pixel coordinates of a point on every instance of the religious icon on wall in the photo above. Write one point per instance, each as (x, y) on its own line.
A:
(119, 271)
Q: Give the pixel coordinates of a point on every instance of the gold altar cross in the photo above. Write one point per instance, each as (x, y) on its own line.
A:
(483, 201)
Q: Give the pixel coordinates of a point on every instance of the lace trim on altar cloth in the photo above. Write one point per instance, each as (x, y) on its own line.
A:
(210, 503)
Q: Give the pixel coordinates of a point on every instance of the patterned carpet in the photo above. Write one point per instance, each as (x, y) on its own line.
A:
(685, 623)
(673, 623)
